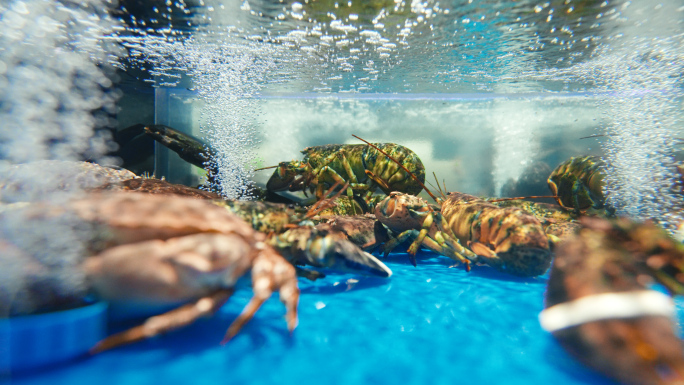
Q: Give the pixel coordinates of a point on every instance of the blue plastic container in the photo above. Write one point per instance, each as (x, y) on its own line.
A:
(31, 342)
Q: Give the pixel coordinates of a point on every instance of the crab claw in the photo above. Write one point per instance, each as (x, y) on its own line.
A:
(270, 272)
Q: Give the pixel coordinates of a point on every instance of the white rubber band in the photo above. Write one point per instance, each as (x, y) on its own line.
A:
(606, 306)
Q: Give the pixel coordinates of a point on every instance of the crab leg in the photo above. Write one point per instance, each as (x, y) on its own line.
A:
(244, 317)
(174, 319)
(270, 272)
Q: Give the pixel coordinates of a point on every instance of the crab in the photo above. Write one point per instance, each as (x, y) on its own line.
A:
(171, 250)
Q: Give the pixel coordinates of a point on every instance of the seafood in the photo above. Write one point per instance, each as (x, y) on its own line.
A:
(292, 233)
(190, 149)
(266, 217)
(365, 168)
(363, 230)
(599, 306)
(556, 222)
(325, 248)
(194, 151)
(508, 239)
(263, 216)
(557, 232)
(578, 184)
(543, 211)
(287, 230)
(35, 180)
(344, 205)
(411, 217)
(152, 249)
(158, 186)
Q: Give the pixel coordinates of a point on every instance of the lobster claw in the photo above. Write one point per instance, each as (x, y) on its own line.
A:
(344, 256)
(327, 249)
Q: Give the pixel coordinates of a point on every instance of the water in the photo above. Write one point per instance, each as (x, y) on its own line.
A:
(483, 91)
(475, 142)
(378, 56)
(429, 323)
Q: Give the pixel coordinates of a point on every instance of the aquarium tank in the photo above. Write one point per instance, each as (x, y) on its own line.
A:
(491, 95)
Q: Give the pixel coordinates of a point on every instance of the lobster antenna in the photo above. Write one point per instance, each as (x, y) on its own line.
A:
(519, 198)
(264, 168)
(438, 186)
(400, 165)
(594, 136)
(430, 184)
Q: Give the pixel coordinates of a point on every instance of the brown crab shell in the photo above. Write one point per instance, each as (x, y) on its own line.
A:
(135, 217)
(161, 187)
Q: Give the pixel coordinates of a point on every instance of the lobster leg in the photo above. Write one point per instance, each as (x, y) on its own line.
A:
(326, 170)
(436, 244)
(392, 244)
(338, 178)
(444, 249)
(428, 220)
(166, 322)
(381, 182)
(345, 164)
(451, 239)
(484, 252)
(347, 167)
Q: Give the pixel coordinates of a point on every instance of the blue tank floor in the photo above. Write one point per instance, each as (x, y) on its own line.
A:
(429, 324)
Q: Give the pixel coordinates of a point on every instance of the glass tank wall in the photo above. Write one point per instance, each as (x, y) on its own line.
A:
(475, 143)
(483, 92)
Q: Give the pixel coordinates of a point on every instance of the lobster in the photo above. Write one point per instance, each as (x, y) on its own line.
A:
(508, 239)
(578, 184)
(365, 168)
(600, 306)
(557, 223)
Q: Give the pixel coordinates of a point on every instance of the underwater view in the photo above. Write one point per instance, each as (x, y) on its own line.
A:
(361, 191)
